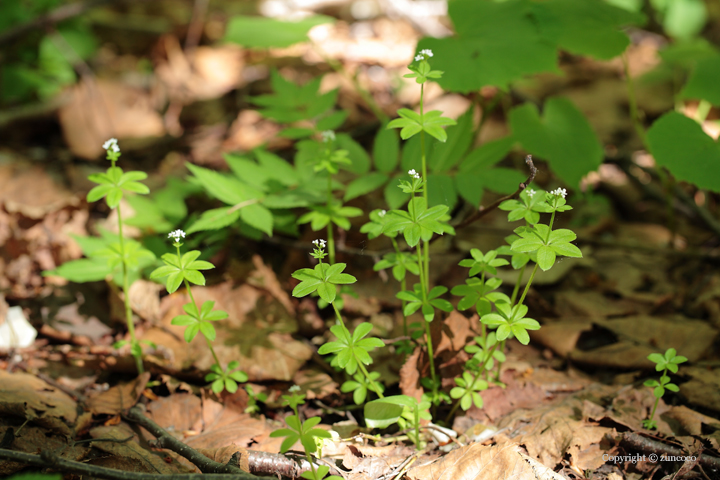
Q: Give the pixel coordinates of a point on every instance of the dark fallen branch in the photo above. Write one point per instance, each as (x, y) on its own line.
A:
(482, 211)
(637, 442)
(257, 463)
(165, 440)
(47, 459)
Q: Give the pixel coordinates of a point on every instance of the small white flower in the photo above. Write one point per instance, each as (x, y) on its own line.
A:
(294, 388)
(176, 235)
(419, 58)
(413, 173)
(560, 192)
(530, 192)
(319, 243)
(111, 145)
(328, 135)
(382, 213)
(427, 52)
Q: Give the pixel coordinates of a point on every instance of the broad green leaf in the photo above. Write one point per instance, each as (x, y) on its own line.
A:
(703, 81)
(357, 154)
(278, 168)
(383, 412)
(332, 121)
(365, 184)
(684, 19)
(562, 136)
(257, 216)
(82, 270)
(247, 170)
(226, 189)
(411, 153)
(215, 219)
(476, 173)
(261, 32)
(679, 144)
(587, 27)
(441, 191)
(500, 42)
(386, 149)
(496, 43)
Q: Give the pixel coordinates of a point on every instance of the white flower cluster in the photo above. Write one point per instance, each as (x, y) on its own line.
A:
(328, 135)
(413, 173)
(111, 145)
(176, 235)
(423, 53)
(530, 192)
(560, 192)
(382, 213)
(319, 243)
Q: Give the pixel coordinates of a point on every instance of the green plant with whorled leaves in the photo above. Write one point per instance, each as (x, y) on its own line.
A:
(186, 268)
(663, 363)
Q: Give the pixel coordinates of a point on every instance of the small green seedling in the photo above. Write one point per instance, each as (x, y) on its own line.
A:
(665, 363)
(306, 433)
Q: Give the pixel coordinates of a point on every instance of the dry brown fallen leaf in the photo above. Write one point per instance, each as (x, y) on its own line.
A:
(479, 462)
(118, 398)
(257, 333)
(28, 397)
(100, 109)
(32, 439)
(129, 455)
(202, 74)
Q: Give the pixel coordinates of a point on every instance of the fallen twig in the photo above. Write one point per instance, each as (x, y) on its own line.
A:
(47, 459)
(647, 445)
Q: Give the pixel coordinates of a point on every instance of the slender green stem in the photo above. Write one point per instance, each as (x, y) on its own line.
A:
(517, 285)
(331, 240)
(552, 220)
(126, 290)
(337, 314)
(312, 465)
(499, 363)
(527, 286)
(652, 414)
(426, 244)
(212, 350)
(632, 99)
(403, 287)
(657, 399)
(372, 383)
(431, 355)
(417, 427)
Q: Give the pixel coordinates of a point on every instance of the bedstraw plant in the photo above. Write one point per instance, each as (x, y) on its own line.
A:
(310, 438)
(663, 363)
(112, 185)
(185, 269)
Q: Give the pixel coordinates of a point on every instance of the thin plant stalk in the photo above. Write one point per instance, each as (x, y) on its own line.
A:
(403, 287)
(331, 239)
(126, 289)
(426, 246)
